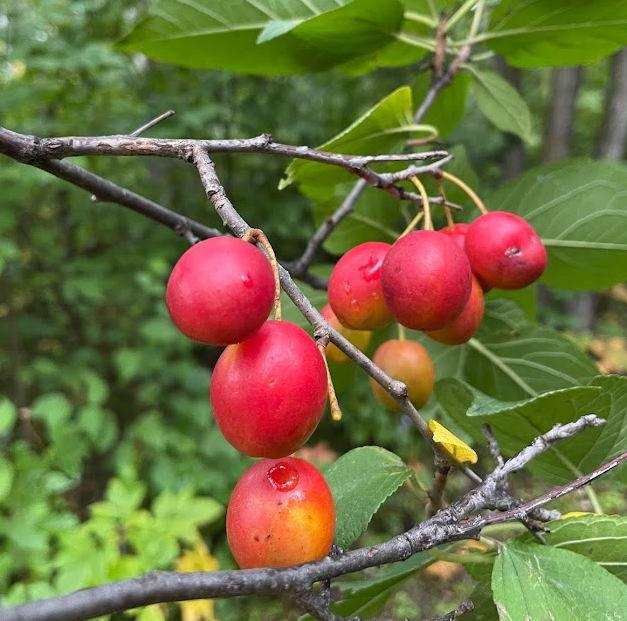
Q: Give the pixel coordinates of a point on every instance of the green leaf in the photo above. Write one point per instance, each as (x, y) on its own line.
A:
(151, 613)
(414, 38)
(523, 363)
(526, 298)
(54, 408)
(510, 358)
(183, 504)
(360, 481)
(379, 130)
(373, 218)
(6, 477)
(542, 582)
(97, 388)
(557, 33)
(98, 424)
(578, 209)
(500, 103)
(366, 598)
(446, 115)
(602, 538)
(8, 415)
(516, 424)
(613, 439)
(481, 595)
(265, 37)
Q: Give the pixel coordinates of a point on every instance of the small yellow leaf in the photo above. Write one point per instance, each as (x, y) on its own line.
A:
(455, 447)
(198, 559)
(574, 514)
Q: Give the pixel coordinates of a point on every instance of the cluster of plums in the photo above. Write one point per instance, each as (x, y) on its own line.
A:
(269, 387)
(268, 392)
(433, 281)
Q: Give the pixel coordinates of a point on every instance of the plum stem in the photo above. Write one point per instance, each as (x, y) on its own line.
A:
(471, 193)
(447, 210)
(334, 405)
(413, 224)
(259, 237)
(425, 202)
(401, 332)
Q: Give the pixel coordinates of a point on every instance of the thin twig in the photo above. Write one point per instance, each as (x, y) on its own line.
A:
(155, 121)
(462, 609)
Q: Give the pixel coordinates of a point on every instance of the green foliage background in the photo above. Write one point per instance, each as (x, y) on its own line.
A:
(113, 447)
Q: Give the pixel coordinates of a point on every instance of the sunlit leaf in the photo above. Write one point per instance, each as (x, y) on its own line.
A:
(500, 103)
(379, 130)
(265, 37)
(557, 33)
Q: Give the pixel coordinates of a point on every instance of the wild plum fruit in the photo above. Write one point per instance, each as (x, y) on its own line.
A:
(355, 288)
(268, 392)
(426, 280)
(504, 251)
(408, 362)
(281, 513)
(461, 329)
(359, 338)
(220, 291)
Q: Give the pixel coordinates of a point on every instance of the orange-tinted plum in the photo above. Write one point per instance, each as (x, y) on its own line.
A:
(355, 288)
(359, 338)
(408, 362)
(281, 513)
(464, 327)
(268, 393)
(220, 291)
(504, 251)
(426, 280)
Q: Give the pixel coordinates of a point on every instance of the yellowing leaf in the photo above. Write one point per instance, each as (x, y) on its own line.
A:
(455, 447)
(574, 514)
(198, 559)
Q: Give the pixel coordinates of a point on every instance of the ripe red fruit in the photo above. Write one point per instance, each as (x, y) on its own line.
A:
(426, 280)
(504, 251)
(355, 288)
(457, 233)
(464, 327)
(220, 291)
(281, 513)
(408, 362)
(359, 338)
(269, 392)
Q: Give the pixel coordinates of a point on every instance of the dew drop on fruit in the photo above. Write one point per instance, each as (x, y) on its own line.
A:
(247, 281)
(283, 477)
(347, 287)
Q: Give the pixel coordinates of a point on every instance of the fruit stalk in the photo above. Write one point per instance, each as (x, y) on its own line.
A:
(259, 237)
(466, 188)
(334, 405)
